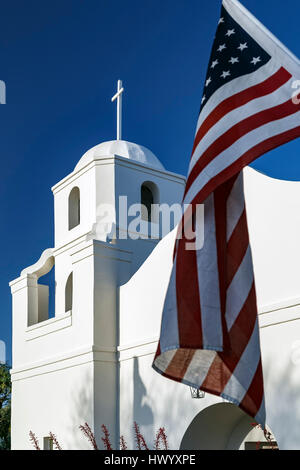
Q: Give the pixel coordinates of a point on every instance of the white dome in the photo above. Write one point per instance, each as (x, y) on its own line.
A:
(120, 148)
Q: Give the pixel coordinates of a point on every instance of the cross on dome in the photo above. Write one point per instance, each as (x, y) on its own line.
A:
(118, 97)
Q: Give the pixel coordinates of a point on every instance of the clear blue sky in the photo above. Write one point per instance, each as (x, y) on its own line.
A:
(61, 61)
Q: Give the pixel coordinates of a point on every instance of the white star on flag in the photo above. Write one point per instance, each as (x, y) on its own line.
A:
(230, 32)
(222, 47)
(221, 20)
(214, 63)
(208, 81)
(225, 74)
(243, 46)
(255, 60)
(203, 99)
(234, 60)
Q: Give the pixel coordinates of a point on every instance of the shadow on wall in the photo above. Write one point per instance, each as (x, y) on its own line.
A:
(141, 410)
(283, 400)
(82, 405)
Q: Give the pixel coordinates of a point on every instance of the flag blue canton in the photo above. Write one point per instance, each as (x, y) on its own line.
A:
(234, 53)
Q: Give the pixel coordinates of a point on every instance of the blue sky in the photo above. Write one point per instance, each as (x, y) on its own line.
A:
(61, 61)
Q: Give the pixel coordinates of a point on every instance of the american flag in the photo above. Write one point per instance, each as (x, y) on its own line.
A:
(209, 333)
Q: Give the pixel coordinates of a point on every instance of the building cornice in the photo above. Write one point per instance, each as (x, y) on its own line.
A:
(121, 161)
(84, 355)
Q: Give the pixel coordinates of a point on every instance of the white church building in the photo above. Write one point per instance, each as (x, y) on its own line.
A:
(91, 361)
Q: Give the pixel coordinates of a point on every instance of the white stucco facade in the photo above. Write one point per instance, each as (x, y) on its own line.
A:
(92, 361)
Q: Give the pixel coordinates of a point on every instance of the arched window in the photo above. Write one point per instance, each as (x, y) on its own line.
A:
(69, 294)
(147, 201)
(149, 197)
(74, 208)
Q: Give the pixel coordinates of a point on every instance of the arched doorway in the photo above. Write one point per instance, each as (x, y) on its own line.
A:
(223, 426)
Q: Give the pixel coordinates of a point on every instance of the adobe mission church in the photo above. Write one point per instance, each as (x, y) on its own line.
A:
(91, 361)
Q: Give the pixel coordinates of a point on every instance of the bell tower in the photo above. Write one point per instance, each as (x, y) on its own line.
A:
(66, 368)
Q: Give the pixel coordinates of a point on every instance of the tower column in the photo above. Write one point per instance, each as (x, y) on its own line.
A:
(24, 292)
(98, 270)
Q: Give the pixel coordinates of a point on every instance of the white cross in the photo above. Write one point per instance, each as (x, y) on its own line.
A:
(118, 97)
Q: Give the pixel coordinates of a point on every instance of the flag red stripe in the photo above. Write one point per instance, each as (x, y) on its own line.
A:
(242, 328)
(220, 205)
(266, 87)
(217, 376)
(237, 247)
(158, 351)
(224, 364)
(179, 364)
(237, 131)
(188, 305)
(254, 396)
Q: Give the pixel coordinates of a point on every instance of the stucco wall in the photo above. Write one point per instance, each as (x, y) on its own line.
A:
(274, 226)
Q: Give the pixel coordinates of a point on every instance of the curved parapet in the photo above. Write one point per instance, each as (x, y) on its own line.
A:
(42, 266)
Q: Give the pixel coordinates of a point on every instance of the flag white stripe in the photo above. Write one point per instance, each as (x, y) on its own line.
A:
(169, 327)
(199, 367)
(261, 414)
(239, 289)
(235, 205)
(208, 281)
(243, 374)
(164, 360)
